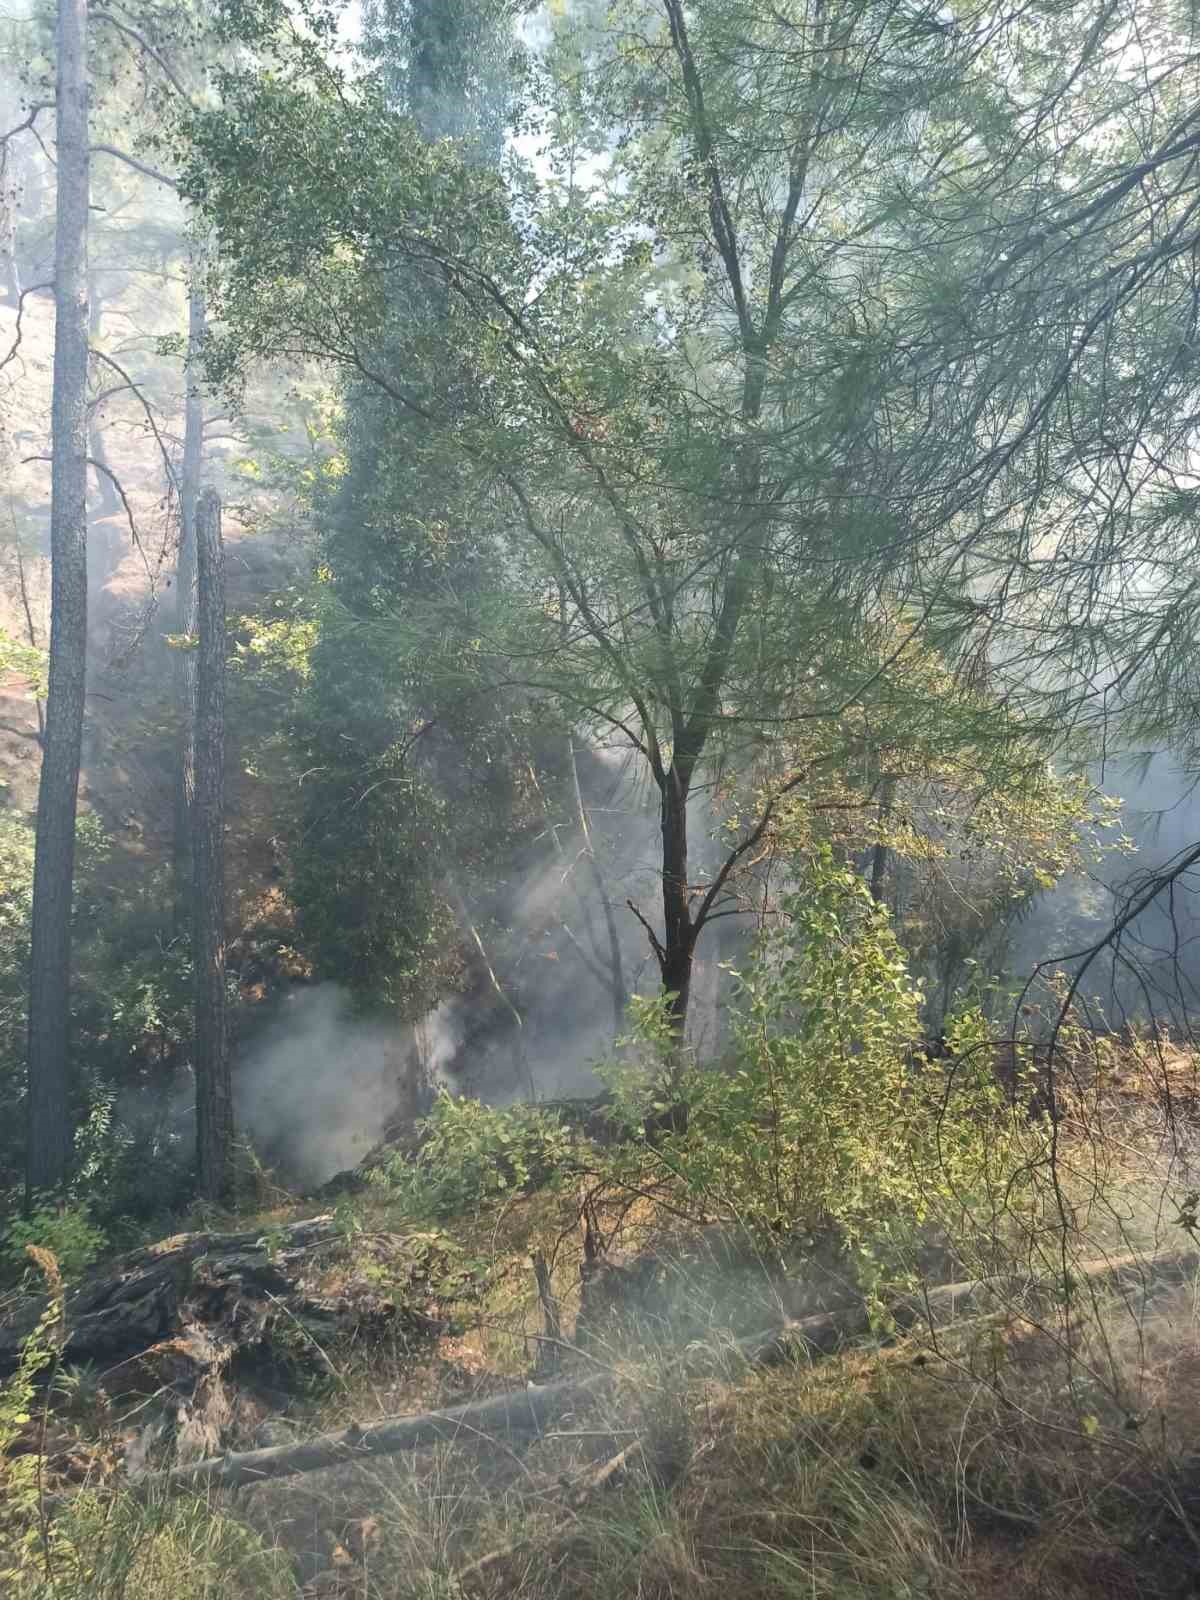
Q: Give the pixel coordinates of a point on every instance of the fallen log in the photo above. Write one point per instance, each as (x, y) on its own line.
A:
(518, 1411)
(1133, 1278)
(527, 1410)
(222, 1293)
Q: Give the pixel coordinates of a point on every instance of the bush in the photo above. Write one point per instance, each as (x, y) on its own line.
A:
(472, 1153)
(65, 1231)
(823, 1120)
(20, 1473)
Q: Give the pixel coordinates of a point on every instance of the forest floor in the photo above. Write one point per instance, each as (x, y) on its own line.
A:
(1035, 1445)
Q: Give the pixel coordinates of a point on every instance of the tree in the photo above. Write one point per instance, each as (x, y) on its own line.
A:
(210, 1059)
(417, 794)
(1044, 346)
(666, 432)
(50, 1130)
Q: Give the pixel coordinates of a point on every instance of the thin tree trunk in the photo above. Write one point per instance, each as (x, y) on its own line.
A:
(210, 1060)
(50, 1122)
(879, 856)
(520, 1055)
(679, 936)
(10, 206)
(185, 598)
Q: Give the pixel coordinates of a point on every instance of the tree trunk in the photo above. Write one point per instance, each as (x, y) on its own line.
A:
(50, 1123)
(185, 599)
(879, 856)
(679, 935)
(210, 1059)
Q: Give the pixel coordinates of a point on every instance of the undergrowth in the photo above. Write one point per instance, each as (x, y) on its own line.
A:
(1040, 1444)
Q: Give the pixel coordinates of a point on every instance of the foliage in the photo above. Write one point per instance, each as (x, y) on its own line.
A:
(624, 471)
(823, 1120)
(25, 661)
(131, 1000)
(472, 1153)
(20, 1474)
(66, 1232)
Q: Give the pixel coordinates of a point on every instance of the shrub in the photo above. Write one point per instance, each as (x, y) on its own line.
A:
(65, 1231)
(472, 1153)
(823, 1120)
(20, 1473)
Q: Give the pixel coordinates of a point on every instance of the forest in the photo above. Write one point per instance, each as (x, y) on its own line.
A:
(599, 683)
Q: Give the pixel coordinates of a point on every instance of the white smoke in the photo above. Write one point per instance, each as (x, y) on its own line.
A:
(316, 1087)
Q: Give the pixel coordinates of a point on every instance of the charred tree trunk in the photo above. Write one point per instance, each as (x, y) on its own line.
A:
(50, 1123)
(879, 855)
(679, 934)
(185, 601)
(210, 1060)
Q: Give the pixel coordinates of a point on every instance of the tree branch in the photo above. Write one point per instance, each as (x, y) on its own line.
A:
(35, 111)
(116, 483)
(172, 476)
(655, 941)
(132, 161)
(724, 230)
(16, 344)
(143, 43)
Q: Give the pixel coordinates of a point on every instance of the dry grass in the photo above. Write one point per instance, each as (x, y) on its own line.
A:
(990, 1465)
(1046, 1453)
(880, 1475)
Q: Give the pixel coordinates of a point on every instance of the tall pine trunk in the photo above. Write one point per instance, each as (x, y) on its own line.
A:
(50, 1121)
(185, 599)
(210, 1057)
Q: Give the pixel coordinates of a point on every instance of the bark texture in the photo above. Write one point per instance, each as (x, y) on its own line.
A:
(210, 1060)
(129, 1306)
(49, 1099)
(679, 934)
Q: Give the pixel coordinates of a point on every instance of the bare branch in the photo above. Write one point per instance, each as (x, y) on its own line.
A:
(138, 166)
(28, 125)
(117, 485)
(16, 344)
(143, 43)
(655, 941)
(172, 476)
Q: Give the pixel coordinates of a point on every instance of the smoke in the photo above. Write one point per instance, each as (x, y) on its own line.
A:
(317, 1086)
(1153, 972)
(321, 1085)
(536, 1009)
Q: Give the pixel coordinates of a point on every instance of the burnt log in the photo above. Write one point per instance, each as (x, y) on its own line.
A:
(201, 1298)
(516, 1412)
